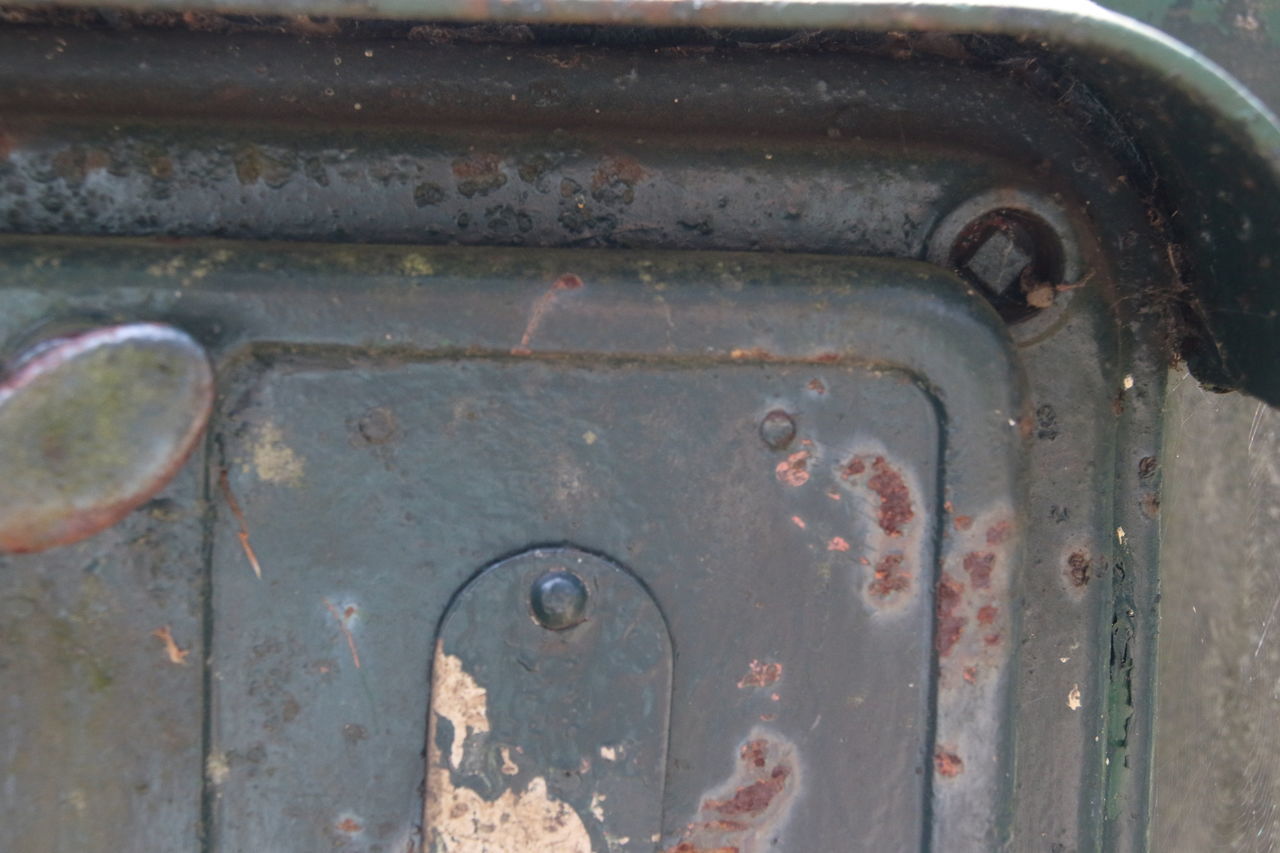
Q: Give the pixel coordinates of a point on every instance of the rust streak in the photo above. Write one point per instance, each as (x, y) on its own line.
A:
(346, 632)
(165, 635)
(568, 281)
(950, 625)
(243, 534)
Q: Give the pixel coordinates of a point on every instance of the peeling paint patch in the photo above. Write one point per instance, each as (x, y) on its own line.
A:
(217, 768)
(458, 819)
(457, 697)
(273, 460)
(746, 813)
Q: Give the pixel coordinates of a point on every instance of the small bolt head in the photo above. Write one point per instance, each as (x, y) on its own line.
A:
(778, 430)
(558, 600)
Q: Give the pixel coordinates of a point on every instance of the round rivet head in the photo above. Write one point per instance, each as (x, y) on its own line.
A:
(558, 600)
(778, 430)
(94, 425)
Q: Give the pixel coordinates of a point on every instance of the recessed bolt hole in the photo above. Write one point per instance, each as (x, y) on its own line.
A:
(778, 430)
(1014, 258)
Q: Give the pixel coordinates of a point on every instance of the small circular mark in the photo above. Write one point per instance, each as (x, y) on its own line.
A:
(778, 430)
(377, 426)
(558, 600)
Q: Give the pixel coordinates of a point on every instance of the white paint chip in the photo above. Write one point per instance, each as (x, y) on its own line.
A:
(1073, 698)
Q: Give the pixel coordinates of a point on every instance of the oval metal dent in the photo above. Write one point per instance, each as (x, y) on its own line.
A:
(92, 426)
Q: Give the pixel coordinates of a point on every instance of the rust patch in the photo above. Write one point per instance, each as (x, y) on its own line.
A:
(950, 624)
(568, 281)
(992, 639)
(838, 543)
(1079, 567)
(794, 470)
(798, 522)
(947, 763)
(745, 814)
(350, 826)
(479, 174)
(963, 522)
(817, 386)
(889, 486)
(987, 614)
(889, 578)
(615, 179)
(1147, 467)
(1150, 504)
(999, 532)
(979, 566)
(760, 674)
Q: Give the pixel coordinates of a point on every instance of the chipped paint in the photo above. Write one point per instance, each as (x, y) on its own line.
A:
(456, 818)
(273, 460)
(747, 813)
(457, 697)
(217, 768)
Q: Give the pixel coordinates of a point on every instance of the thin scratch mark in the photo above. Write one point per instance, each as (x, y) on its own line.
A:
(346, 632)
(1257, 422)
(1266, 625)
(568, 281)
(243, 534)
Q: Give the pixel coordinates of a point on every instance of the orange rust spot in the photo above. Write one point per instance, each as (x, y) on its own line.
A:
(794, 470)
(755, 753)
(798, 522)
(349, 825)
(833, 494)
(760, 674)
(999, 532)
(838, 543)
(963, 522)
(979, 567)
(176, 655)
(992, 639)
(950, 625)
(817, 386)
(1078, 567)
(889, 577)
(971, 674)
(987, 614)
(568, 281)
(827, 357)
(947, 763)
(753, 354)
